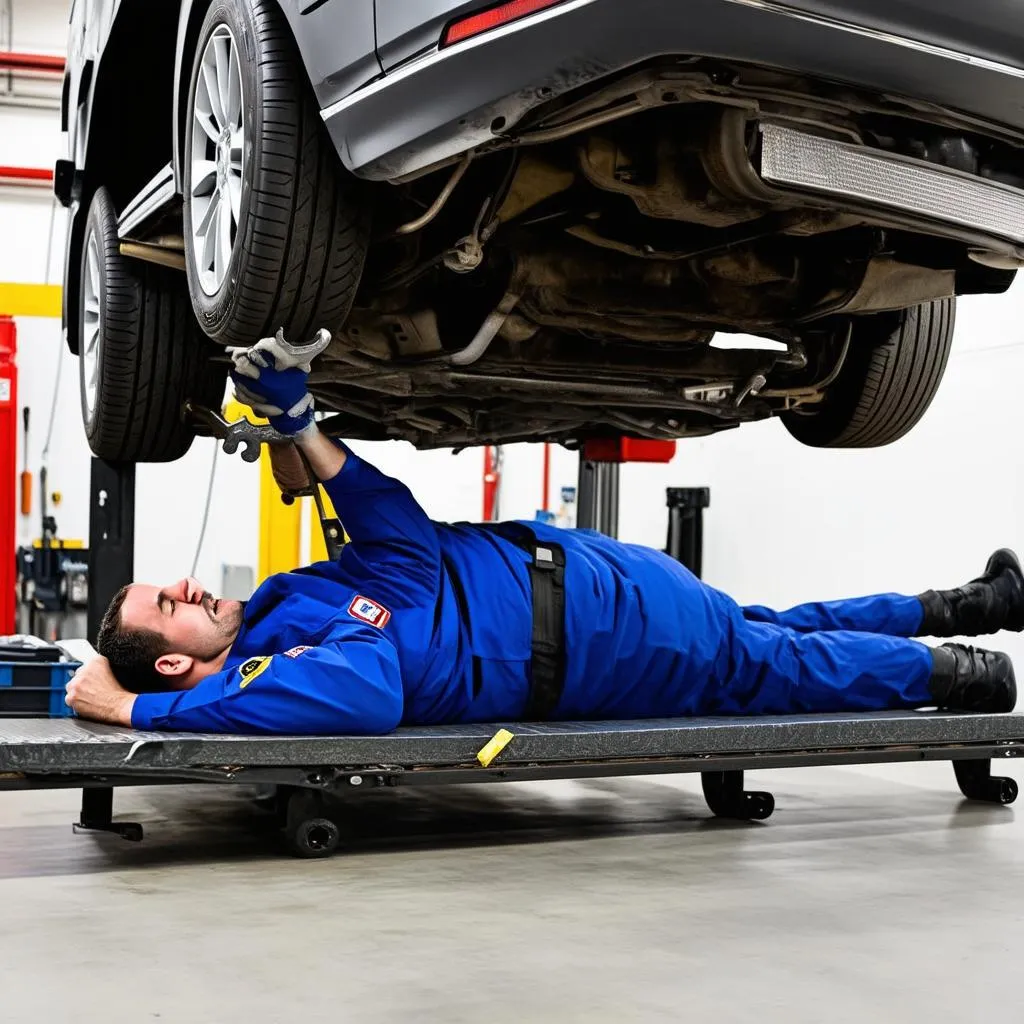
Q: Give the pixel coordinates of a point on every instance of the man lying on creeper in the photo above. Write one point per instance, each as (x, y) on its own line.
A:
(425, 623)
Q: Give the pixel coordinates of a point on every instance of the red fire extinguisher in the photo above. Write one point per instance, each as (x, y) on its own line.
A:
(8, 469)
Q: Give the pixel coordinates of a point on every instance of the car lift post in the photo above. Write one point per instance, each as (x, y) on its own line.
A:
(597, 496)
(111, 567)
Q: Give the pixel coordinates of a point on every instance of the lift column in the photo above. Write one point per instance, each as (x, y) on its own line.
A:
(111, 567)
(597, 495)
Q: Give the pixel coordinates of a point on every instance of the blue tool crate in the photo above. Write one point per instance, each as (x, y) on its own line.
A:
(33, 675)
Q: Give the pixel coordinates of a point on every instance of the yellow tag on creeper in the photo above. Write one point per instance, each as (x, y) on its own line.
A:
(494, 746)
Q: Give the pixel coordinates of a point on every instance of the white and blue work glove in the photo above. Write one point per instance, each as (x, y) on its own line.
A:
(272, 378)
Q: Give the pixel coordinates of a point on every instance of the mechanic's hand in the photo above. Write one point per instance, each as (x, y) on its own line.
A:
(271, 377)
(93, 692)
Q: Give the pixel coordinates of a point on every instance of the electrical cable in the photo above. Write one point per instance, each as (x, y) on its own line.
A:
(206, 509)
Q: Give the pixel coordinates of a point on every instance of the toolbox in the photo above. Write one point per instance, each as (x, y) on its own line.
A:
(33, 675)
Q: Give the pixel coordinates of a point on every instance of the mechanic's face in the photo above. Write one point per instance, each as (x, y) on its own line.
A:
(198, 627)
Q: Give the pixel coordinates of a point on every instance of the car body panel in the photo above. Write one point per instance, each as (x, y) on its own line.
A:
(444, 103)
(988, 28)
(408, 27)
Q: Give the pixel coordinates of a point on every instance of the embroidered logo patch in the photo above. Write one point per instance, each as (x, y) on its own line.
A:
(250, 669)
(365, 610)
(296, 651)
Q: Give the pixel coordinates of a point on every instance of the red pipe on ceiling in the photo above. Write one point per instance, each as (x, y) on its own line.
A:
(40, 62)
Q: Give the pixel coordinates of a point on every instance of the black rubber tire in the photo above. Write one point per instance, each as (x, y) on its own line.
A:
(151, 354)
(303, 229)
(892, 372)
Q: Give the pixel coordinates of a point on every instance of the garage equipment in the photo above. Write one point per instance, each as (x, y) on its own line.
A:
(307, 771)
(37, 754)
(33, 675)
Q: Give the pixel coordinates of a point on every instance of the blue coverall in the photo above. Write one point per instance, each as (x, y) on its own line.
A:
(388, 636)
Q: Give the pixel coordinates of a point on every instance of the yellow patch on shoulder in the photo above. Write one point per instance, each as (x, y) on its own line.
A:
(250, 669)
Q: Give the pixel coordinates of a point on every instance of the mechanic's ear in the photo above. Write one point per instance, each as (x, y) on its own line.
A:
(176, 666)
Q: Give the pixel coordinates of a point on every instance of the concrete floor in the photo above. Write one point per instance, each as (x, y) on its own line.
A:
(873, 894)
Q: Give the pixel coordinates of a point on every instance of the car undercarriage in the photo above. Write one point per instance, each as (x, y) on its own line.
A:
(568, 283)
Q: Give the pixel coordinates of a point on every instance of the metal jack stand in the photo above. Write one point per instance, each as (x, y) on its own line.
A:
(111, 567)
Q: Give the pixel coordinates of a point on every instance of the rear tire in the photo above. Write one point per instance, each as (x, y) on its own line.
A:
(298, 222)
(892, 373)
(141, 354)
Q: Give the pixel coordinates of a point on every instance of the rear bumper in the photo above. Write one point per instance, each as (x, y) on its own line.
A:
(445, 102)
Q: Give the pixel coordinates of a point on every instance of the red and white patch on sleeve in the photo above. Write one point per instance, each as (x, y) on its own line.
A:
(296, 651)
(365, 610)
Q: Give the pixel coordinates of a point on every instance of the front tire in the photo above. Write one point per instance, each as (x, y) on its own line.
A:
(275, 229)
(141, 355)
(891, 374)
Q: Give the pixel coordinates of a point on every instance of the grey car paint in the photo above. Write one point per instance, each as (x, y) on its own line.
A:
(408, 27)
(445, 102)
(985, 29)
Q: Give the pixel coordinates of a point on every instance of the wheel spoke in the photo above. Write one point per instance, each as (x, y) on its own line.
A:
(222, 54)
(209, 237)
(204, 118)
(234, 105)
(207, 220)
(213, 91)
(235, 191)
(223, 241)
(204, 177)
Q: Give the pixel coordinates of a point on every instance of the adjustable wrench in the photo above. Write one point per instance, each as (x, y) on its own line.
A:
(241, 432)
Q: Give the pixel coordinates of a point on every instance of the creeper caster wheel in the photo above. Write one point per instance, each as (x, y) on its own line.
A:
(308, 830)
(727, 798)
(977, 782)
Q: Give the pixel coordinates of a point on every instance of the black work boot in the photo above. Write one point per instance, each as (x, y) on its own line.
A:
(992, 602)
(970, 679)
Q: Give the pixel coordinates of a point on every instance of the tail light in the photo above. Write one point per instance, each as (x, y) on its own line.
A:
(493, 17)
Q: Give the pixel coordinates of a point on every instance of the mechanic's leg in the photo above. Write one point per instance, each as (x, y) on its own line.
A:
(769, 669)
(993, 601)
(884, 614)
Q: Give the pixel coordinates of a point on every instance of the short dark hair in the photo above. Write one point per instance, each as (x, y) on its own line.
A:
(132, 653)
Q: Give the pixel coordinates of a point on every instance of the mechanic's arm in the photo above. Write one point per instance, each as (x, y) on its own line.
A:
(379, 513)
(347, 686)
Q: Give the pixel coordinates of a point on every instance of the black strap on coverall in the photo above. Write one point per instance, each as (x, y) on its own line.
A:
(547, 581)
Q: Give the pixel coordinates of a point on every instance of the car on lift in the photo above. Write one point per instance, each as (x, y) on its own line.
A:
(530, 220)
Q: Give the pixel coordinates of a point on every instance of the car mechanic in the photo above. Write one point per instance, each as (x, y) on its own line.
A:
(425, 623)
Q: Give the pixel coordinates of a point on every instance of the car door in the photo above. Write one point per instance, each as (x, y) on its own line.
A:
(408, 27)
